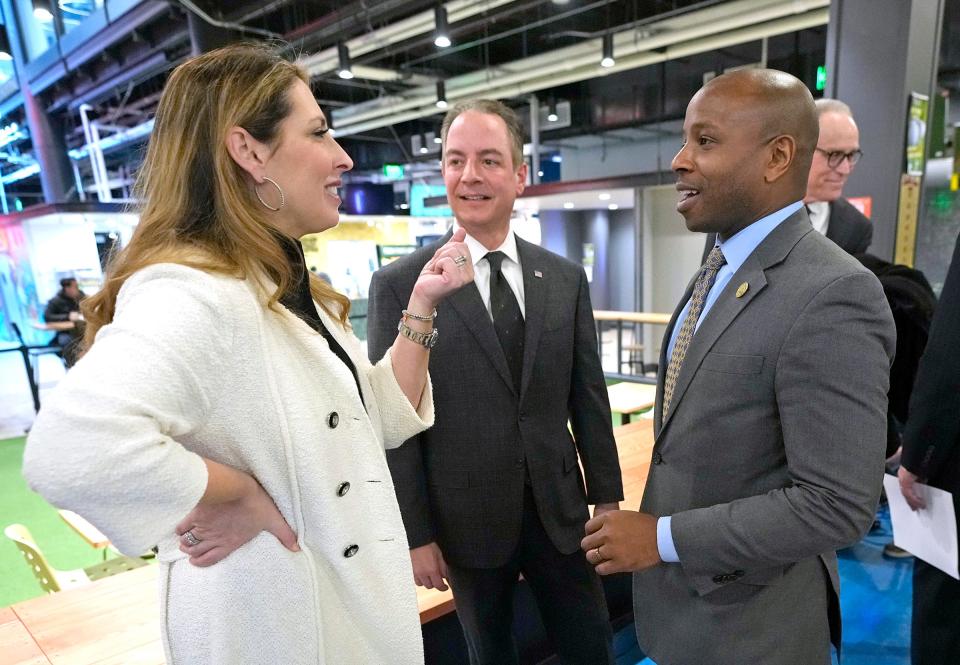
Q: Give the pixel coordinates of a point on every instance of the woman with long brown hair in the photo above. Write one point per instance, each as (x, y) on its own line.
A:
(223, 410)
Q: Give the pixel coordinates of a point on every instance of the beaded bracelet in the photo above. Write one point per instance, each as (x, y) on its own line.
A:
(420, 317)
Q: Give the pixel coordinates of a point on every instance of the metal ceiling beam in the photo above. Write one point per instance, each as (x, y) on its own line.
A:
(419, 24)
(696, 32)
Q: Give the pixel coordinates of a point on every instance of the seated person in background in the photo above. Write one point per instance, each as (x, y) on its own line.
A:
(65, 306)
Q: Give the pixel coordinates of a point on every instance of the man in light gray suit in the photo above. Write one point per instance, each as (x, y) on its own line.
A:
(770, 419)
(494, 488)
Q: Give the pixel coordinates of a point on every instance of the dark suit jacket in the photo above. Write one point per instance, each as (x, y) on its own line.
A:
(770, 458)
(931, 440)
(461, 483)
(848, 227)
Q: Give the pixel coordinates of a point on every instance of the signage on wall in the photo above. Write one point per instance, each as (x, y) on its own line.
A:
(862, 203)
(393, 171)
(906, 241)
(821, 77)
(917, 132)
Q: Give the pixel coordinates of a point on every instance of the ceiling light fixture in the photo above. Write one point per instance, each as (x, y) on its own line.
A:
(5, 52)
(552, 110)
(568, 205)
(605, 196)
(607, 60)
(42, 14)
(344, 70)
(423, 145)
(613, 206)
(441, 95)
(442, 35)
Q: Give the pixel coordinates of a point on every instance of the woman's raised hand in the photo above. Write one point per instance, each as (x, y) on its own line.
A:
(448, 270)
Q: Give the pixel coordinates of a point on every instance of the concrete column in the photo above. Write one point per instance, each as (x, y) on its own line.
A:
(878, 52)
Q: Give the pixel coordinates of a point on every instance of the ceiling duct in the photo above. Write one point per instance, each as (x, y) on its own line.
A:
(696, 32)
(417, 25)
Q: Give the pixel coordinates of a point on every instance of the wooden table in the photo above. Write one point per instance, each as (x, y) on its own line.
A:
(116, 620)
(654, 318)
(58, 326)
(627, 398)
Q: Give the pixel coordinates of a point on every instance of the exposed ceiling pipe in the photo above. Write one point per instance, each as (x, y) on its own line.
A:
(656, 36)
(633, 61)
(413, 26)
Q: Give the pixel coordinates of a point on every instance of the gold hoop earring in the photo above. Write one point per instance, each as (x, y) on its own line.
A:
(266, 205)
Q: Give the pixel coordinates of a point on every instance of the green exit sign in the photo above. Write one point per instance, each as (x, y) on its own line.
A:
(393, 171)
(821, 77)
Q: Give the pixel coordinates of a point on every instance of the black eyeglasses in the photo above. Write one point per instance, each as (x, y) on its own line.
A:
(835, 158)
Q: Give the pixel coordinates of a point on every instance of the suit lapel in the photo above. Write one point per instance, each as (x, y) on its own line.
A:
(662, 363)
(469, 307)
(721, 315)
(534, 297)
(771, 251)
(836, 226)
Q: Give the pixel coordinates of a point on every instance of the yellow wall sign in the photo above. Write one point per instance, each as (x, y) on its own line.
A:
(909, 210)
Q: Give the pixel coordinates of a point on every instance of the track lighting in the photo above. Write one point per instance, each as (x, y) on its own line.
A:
(344, 71)
(442, 35)
(608, 60)
(441, 95)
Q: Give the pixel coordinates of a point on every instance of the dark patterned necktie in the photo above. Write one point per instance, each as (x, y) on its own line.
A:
(507, 317)
(708, 275)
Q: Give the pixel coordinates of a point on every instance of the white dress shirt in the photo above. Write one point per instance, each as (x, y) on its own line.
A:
(819, 212)
(510, 268)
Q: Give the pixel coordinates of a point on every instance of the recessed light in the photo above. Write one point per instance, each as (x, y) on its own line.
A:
(568, 205)
(613, 206)
(605, 196)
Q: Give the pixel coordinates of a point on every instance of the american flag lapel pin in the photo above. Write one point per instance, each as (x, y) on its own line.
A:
(538, 274)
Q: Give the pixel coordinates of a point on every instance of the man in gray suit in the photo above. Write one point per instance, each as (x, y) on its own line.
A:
(770, 419)
(494, 489)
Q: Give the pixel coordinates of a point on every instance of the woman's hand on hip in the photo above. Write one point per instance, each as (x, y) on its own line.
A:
(212, 531)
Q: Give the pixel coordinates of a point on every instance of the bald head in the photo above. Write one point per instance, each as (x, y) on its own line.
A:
(781, 104)
(749, 137)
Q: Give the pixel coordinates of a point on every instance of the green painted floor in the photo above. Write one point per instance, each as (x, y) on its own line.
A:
(63, 548)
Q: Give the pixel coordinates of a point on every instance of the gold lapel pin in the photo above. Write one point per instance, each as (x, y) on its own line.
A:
(742, 289)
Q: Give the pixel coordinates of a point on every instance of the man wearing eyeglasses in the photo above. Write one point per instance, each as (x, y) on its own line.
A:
(836, 155)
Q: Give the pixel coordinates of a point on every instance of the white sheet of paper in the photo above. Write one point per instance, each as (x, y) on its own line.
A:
(931, 533)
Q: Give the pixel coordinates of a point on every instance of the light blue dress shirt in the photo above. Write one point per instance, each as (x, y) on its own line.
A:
(735, 249)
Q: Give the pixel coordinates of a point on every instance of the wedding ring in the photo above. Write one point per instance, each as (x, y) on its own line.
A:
(460, 260)
(191, 539)
(599, 556)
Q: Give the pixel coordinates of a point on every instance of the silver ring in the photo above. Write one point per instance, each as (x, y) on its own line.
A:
(460, 260)
(191, 539)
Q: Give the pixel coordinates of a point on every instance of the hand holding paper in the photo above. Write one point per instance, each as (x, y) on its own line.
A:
(929, 533)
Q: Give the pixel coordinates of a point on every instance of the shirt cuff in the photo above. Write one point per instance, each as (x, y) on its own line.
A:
(668, 552)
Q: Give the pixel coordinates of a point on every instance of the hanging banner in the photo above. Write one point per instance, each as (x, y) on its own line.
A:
(909, 209)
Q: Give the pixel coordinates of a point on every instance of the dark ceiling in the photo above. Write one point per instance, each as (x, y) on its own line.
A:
(123, 80)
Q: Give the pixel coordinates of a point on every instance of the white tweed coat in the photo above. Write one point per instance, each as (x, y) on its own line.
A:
(193, 366)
